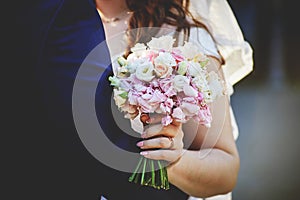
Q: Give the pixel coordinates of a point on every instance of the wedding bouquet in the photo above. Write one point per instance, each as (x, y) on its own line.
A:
(172, 81)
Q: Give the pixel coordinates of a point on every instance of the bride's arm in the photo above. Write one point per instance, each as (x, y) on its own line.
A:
(210, 171)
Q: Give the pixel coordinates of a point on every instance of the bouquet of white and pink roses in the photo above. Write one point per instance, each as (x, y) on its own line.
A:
(172, 81)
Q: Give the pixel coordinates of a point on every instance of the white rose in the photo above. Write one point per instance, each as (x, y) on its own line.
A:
(138, 47)
(164, 42)
(144, 71)
(165, 58)
(215, 85)
(179, 82)
(189, 50)
(195, 69)
(163, 64)
(200, 82)
(133, 64)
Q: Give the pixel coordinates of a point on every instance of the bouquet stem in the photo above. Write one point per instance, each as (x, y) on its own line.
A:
(145, 174)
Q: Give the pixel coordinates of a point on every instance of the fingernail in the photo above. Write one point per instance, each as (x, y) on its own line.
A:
(140, 144)
(143, 135)
(144, 153)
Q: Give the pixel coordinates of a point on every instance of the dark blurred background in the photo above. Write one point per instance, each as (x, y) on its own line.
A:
(267, 102)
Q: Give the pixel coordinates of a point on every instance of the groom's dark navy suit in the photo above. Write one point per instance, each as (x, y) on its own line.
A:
(52, 163)
(55, 37)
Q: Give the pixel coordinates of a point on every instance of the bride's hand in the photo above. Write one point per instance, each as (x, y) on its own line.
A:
(166, 140)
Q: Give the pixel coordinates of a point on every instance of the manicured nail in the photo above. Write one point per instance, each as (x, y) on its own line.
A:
(144, 153)
(140, 144)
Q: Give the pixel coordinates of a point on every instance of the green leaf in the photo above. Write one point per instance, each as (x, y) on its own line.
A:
(124, 95)
(204, 63)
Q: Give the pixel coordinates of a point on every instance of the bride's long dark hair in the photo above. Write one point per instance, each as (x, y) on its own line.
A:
(155, 13)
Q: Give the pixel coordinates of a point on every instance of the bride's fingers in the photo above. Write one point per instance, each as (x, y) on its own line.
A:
(160, 130)
(148, 119)
(157, 118)
(167, 155)
(159, 142)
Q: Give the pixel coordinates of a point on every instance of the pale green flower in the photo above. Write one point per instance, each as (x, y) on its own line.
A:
(122, 61)
(182, 67)
(114, 81)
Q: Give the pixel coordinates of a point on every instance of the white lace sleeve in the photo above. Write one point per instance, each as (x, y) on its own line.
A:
(224, 28)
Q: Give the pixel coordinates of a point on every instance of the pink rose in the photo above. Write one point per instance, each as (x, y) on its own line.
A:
(162, 109)
(144, 105)
(169, 103)
(190, 91)
(140, 88)
(189, 109)
(178, 114)
(149, 93)
(154, 83)
(151, 55)
(147, 107)
(167, 106)
(125, 85)
(132, 98)
(176, 53)
(191, 100)
(157, 97)
(166, 120)
(162, 70)
(167, 88)
(200, 96)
